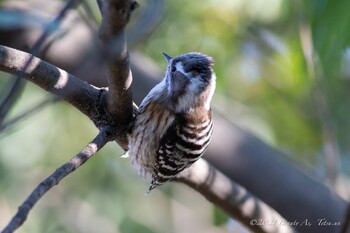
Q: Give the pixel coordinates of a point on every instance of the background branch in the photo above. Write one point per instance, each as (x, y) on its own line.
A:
(18, 84)
(233, 198)
(346, 221)
(146, 23)
(10, 95)
(101, 139)
(7, 126)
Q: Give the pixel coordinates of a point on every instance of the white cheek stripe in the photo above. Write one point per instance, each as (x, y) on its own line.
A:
(179, 67)
(212, 89)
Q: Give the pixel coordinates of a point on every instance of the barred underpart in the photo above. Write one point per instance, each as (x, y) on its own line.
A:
(181, 146)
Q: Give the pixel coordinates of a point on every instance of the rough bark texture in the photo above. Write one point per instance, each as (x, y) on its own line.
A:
(116, 15)
(233, 198)
(52, 79)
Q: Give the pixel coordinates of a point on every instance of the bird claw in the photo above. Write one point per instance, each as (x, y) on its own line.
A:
(151, 187)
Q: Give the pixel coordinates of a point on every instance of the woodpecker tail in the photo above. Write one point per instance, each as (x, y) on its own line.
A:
(153, 185)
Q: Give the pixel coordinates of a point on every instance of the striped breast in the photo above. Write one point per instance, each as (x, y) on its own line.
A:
(151, 124)
(182, 145)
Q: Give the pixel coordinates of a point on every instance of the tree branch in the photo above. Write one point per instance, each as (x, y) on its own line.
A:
(233, 198)
(100, 140)
(115, 16)
(52, 79)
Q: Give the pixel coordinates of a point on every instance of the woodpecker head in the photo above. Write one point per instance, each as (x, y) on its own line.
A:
(190, 82)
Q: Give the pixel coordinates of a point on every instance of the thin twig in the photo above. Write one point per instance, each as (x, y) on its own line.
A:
(51, 27)
(35, 51)
(99, 141)
(35, 109)
(10, 97)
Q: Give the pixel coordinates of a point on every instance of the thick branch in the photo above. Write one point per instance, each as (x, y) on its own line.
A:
(52, 79)
(101, 139)
(115, 16)
(233, 198)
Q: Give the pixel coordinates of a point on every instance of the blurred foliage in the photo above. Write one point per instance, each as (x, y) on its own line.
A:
(219, 217)
(265, 85)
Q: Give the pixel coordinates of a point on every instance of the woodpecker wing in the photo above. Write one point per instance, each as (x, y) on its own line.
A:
(183, 144)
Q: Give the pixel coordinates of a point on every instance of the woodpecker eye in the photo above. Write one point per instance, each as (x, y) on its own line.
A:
(173, 69)
(195, 72)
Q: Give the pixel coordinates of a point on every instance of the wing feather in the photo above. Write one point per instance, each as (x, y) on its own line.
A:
(183, 143)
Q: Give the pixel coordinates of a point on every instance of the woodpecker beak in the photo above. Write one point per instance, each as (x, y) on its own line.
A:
(167, 57)
(178, 84)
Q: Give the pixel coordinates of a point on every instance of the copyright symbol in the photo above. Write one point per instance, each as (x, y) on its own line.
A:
(253, 222)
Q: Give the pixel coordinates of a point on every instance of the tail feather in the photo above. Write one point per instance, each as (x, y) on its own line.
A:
(154, 184)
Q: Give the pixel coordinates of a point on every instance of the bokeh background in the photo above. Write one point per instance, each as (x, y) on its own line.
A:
(283, 71)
